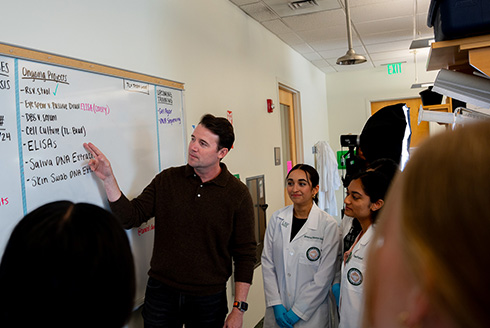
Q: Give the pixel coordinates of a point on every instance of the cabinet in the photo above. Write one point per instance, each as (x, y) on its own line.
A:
(464, 55)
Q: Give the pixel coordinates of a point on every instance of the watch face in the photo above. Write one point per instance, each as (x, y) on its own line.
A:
(242, 306)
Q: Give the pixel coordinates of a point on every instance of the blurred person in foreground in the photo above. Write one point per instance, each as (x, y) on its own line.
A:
(428, 256)
(67, 265)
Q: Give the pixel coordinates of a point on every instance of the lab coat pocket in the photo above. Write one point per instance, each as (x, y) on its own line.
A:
(355, 275)
(310, 256)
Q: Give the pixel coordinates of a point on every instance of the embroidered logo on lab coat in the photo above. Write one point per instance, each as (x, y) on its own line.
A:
(313, 254)
(354, 276)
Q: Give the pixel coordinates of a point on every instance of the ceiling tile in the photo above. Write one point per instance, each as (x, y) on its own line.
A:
(382, 30)
(386, 55)
(320, 63)
(381, 26)
(332, 33)
(312, 56)
(390, 35)
(389, 46)
(357, 3)
(380, 11)
(319, 20)
(259, 12)
(291, 38)
(243, 2)
(276, 26)
(303, 48)
(334, 44)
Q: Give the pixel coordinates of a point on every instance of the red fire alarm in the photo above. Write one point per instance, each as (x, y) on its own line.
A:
(270, 106)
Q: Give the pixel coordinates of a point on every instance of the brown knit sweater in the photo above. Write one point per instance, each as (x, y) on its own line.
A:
(199, 229)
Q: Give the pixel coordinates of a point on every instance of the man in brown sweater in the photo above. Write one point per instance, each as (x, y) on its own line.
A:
(204, 222)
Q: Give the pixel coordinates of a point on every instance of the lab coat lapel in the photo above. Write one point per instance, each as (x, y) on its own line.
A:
(311, 223)
(286, 217)
(366, 238)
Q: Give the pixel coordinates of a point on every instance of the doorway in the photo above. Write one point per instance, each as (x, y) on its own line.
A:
(291, 131)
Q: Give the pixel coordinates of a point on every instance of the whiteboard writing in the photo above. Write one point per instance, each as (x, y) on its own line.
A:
(48, 111)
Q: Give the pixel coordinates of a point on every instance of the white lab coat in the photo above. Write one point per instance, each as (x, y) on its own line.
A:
(352, 283)
(327, 167)
(295, 274)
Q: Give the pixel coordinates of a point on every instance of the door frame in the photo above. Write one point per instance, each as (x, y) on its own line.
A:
(294, 103)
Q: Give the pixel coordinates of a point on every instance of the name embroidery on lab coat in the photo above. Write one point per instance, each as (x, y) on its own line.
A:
(313, 254)
(313, 237)
(354, 276)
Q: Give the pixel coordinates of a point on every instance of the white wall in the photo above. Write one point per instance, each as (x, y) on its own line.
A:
(349, 95)
(226, 60)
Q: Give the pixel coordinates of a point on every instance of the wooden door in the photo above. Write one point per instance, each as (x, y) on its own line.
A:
(288, 127)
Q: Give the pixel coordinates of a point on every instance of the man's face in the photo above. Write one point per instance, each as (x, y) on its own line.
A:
(203, 149)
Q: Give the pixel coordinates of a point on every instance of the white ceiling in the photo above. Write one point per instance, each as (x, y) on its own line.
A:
(382, 30)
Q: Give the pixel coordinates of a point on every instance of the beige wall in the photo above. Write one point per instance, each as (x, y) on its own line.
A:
(226, 60)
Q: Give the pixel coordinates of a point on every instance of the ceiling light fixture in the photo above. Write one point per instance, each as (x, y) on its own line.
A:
(464, 87)
(350, 58)
(422, 85)
(421, 43)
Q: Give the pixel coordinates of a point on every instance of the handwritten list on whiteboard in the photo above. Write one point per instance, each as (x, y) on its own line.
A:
(47, 112)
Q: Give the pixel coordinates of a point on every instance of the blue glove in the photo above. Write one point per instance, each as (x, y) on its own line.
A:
(336, 292)
(291, 317)
(280, 314)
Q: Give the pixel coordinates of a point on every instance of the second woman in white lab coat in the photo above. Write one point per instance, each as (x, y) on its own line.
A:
(365, 197)
(298, 261)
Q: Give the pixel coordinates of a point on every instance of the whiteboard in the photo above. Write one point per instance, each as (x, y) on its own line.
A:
(47, 112)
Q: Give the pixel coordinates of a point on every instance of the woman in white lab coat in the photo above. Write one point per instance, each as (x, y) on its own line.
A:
(298, 261)
(365, 197)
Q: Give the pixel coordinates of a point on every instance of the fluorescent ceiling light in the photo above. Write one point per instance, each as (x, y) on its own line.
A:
(421, 43)
(422, 85)
(465, 87)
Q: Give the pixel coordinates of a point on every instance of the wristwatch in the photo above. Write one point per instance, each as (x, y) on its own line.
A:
(242, 306)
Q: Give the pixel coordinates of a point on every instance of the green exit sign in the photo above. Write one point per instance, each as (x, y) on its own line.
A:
(395, 68)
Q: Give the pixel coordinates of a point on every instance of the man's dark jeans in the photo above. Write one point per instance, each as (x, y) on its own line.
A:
(165, 307)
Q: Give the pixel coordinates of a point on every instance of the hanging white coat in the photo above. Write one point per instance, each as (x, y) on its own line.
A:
(298, 274)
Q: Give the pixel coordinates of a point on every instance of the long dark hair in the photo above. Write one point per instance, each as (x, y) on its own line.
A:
(375, 184)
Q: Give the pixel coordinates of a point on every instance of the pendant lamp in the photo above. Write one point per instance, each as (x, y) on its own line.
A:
(350, 58)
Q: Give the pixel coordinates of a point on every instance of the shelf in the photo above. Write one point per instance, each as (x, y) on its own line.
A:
(463, 55)
(447, 107)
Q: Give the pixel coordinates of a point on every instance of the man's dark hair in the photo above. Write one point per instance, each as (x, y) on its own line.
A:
(222, 128)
